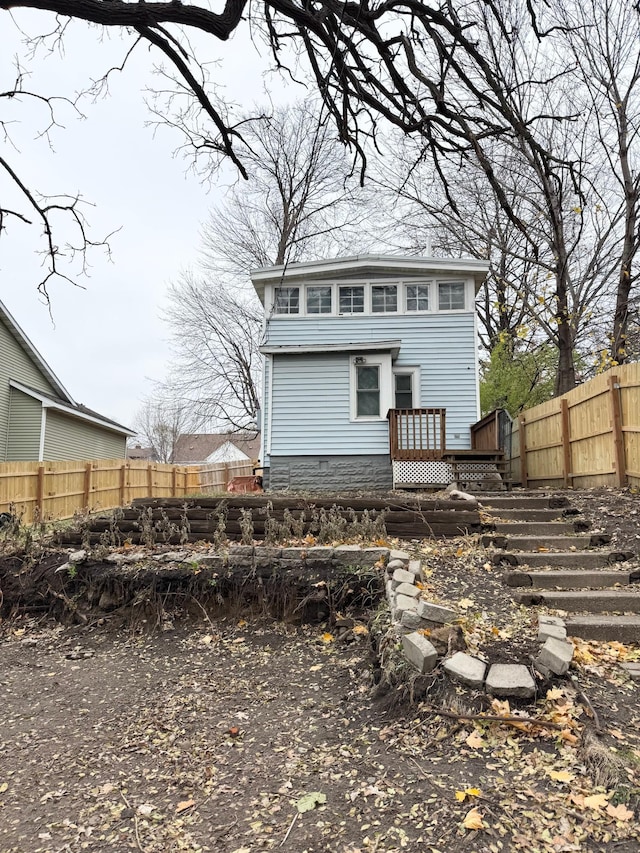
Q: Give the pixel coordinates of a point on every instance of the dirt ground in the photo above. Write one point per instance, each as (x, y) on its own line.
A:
(246, 734)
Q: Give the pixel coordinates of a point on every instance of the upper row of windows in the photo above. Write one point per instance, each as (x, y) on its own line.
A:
(384, 298)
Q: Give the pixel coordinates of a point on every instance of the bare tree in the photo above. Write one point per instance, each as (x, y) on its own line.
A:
(298, 204)
(215, 330)
(160, 422)
(300, 200)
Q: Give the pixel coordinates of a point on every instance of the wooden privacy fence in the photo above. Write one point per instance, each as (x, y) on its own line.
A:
(57, 490)
(588, 437)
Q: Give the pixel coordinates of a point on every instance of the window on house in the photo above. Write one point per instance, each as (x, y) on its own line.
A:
(287, 300)
(451, 296)
(417, 297)
(384, 298)
(368, 391)
(352, 300)
(403, 390)
(318, 300)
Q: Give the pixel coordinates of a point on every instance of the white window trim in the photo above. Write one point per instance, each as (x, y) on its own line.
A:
(383, 361)
(414, 372)
(405, 298)
(464, 310)
(400, 283)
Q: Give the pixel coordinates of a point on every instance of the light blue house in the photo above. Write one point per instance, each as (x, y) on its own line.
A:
(370, 371)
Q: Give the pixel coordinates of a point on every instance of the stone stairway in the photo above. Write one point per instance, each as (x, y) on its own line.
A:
(553, 562)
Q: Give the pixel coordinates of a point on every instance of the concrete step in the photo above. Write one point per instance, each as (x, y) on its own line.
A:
(525, 514)
(621, 629)
(579, 579)
(561, 559)
(512, 501)
(590, 601)
(540, 528)
(547, 543)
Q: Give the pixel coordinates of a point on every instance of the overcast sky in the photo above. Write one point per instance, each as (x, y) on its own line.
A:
(106, 342)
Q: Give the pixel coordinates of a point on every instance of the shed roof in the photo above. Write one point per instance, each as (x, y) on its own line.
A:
(197, 447)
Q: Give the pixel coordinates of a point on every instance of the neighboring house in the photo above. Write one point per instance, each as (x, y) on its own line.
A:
(39, 420)
(138, 453)
(368, 360)
(208, 448)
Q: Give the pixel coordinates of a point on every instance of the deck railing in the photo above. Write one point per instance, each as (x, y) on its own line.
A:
(416, 433)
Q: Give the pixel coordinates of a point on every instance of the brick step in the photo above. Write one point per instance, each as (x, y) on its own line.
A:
(621, 629)
(551, 543)
(540, 528)
(579, 579)
(490, 501)
(590, 601)
(521, 514)
(561, 559)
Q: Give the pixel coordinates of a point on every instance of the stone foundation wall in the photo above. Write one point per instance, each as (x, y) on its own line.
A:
(330, 473)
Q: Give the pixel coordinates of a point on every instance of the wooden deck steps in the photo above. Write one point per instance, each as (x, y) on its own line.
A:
(579, 578)
(546, 543)
(591, 601)
(623, 629)
(560, 568)
(540, 528)
(561, 559)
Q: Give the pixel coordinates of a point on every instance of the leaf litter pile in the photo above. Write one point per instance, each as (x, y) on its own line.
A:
(246, 734)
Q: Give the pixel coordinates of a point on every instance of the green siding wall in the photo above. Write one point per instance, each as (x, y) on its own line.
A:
(69, 438)
(25, 423)
(15, 364)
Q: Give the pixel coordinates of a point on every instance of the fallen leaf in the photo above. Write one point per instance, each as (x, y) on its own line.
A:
(309, 801)
(561, 775)
(620, 812)
(327, 637)
(466, 603)
(473, 820)
(461, 796)
(361, 629)
(596, 801)
(316, 667)
(555, 693)
(4, 787)
(475, 741)
(184, 805)
(145, 809)
(233, 731)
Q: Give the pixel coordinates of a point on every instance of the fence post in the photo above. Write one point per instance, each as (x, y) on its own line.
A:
(88, 471)
(40, 493)
(123, 483)
(149, 481)
(523, 452)
(566, 443)
(225, 476)
(617, 435)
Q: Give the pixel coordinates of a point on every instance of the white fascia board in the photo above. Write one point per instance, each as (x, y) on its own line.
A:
(361, 346)
(26, 344)
(393, 264)
(48, 403)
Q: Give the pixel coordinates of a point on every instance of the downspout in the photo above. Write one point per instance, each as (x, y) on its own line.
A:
(43, 427)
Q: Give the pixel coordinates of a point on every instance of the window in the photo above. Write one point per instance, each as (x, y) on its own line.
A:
(287, 300)
(403, 390)
(451, 296)
(368, 391)
(384, 298)
(319, 300)
(417, 297)
(352, 300)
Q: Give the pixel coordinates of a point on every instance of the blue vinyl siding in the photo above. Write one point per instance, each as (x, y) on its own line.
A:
(311, 409)
(311, 392)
